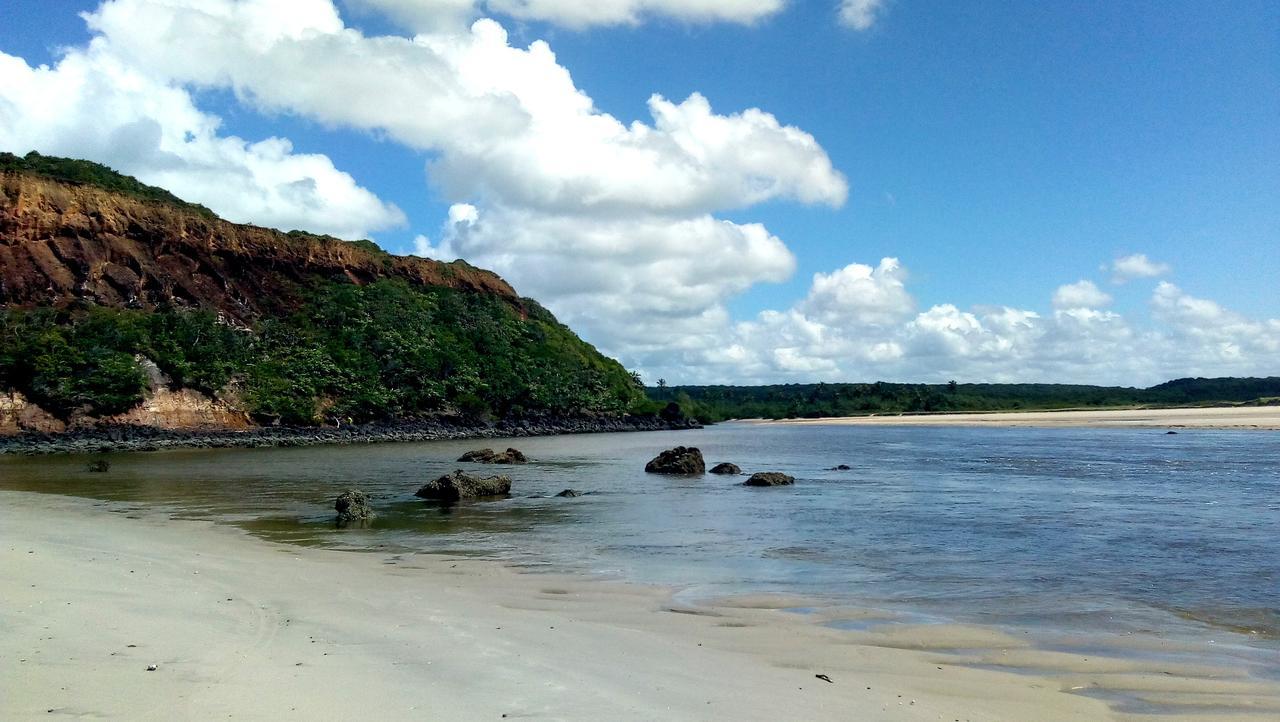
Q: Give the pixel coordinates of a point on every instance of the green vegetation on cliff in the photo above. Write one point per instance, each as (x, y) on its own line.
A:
(84, 172)
(717, 403)
(386, 350)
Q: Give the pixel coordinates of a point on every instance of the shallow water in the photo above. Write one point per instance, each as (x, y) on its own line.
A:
(1062, 531)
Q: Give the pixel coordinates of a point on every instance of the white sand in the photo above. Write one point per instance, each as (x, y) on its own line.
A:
(1233, 417)
(241, 628)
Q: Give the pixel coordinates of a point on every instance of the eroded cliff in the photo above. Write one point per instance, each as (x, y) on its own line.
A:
(61, 243)
(122, 306)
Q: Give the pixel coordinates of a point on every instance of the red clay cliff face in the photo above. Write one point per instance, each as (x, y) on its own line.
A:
(60, 243)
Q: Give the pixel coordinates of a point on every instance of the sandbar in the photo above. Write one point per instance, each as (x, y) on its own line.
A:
(1266, 418)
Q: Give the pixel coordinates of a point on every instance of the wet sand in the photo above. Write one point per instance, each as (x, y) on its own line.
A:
(239, 627)
(1234, 417)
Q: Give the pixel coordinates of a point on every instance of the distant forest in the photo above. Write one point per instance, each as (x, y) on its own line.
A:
(790, 401)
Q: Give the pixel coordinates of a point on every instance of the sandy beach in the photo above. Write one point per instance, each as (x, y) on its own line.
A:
(1235, 417)
(239, 627)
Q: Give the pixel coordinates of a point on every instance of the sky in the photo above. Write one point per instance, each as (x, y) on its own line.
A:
(731, 191)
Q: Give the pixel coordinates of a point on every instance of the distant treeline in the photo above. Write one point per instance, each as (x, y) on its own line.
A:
(718, 403)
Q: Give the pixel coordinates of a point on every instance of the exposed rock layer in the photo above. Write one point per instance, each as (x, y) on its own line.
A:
(18, 416)
(60, 243)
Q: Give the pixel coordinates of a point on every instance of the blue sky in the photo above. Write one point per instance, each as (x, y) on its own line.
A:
(997, 150)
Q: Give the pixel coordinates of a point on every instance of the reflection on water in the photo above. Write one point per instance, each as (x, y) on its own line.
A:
(1114, 530)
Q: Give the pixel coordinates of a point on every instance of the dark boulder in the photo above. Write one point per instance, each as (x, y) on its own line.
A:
(479, 456)
(841, 467)
(672, 413)
(511, 456)
(489, 456)
(680, 460)
(99, 466)
(569, 493)
(769, 478)
(353, 506)
(726, 468)
(461, 485)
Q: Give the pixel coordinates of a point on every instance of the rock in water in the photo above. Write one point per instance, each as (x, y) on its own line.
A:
(99, 466)
(769, 478)
(680, 460)
(841, 467)
(461, 485)
(489, 456)
(726, 468)
(511, 456)
(353, 506)
(569, 493)
(479, 456)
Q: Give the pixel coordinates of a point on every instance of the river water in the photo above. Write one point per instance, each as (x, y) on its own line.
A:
(1108, 532)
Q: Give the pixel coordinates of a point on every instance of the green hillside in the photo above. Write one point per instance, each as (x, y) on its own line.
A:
(382, 351)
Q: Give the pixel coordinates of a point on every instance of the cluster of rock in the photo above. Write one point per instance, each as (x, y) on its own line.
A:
(687, 461)
(489, 456)
(353, 506)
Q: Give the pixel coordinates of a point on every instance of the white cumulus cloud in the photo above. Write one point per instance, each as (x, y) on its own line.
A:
(861, 14)
(1206, 337)
(857, 324)
(93, 105)
(860, 295)
(1128, 268)
(1081, 294)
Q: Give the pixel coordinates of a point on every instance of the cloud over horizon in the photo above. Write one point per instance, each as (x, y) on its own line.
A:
(873, 333)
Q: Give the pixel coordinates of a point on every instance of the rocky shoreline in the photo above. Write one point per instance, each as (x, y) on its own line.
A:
(109, 439)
